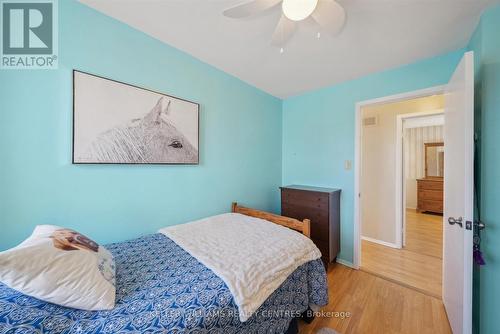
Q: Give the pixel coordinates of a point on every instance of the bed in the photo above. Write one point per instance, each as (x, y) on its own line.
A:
(161, 288)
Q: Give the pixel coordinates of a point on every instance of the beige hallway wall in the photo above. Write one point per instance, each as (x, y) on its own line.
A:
(378, 183)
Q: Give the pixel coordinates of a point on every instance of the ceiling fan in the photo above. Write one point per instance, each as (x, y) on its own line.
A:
(329, 14)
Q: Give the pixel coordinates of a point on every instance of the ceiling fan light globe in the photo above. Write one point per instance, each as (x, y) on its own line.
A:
(298, 10)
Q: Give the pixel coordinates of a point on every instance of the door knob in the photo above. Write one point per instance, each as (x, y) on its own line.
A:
(453, 221)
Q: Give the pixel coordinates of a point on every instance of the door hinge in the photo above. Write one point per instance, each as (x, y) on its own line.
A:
(479, 225)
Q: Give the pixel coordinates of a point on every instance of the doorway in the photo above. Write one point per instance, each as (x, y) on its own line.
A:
(401, 229)
(458, 187)
(422, 162)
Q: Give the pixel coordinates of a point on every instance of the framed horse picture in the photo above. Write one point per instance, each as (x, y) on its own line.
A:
(118, 123)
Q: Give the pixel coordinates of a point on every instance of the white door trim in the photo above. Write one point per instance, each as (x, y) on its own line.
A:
(357, 157)
(400, 177)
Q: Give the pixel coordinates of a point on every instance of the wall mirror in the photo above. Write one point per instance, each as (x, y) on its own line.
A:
(434, 160)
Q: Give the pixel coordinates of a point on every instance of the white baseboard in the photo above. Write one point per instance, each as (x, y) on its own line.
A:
(380, 242)
(345, 263)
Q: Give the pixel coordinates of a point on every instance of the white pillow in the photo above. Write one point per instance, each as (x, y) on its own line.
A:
(63, 267)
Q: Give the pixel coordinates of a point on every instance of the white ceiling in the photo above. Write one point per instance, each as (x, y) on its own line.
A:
(379, 35)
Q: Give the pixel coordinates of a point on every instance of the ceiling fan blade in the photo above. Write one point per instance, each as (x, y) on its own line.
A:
(250, 8)
(330, 15)
(284, 31)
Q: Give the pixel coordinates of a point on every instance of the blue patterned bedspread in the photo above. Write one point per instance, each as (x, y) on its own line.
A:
(163, 289)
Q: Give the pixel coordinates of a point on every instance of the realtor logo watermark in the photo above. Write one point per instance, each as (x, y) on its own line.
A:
(29, 34)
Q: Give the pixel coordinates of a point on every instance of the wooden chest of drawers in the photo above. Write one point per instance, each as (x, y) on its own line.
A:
(430, 195)
(322, 207)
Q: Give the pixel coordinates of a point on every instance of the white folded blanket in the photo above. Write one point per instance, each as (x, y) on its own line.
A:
(252, 256)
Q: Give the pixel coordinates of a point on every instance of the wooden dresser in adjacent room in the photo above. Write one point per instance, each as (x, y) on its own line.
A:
(322, 207)
(430, 195)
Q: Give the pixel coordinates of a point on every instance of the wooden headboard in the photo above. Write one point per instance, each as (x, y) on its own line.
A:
(302, 226)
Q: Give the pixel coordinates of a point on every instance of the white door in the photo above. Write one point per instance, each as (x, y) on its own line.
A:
(458, 196)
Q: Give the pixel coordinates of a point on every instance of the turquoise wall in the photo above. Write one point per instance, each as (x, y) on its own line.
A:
(240, 140)
(486, 45)
(318, 129)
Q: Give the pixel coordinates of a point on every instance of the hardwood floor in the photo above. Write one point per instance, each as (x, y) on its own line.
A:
(376, 306)
(421, 272)
(418, 264)
(397, 290)
(424, 233)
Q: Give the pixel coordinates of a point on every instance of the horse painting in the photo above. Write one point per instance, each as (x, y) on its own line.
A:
(150, 139)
